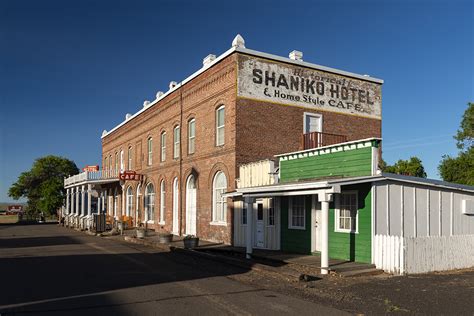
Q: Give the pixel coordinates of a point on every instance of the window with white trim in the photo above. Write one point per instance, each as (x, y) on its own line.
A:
(129, 201)
(220, 124)
(271, 213)
(244, 214)
(219, 205)
(296, 214)
(116, 164)
(191, 136)
(149, 202)
(129, 167)
(346, 213)
(163, 146)
(104, 167)
(122, 163)
(162, 202)
(110, 166)
(177, 139)
(150, 151)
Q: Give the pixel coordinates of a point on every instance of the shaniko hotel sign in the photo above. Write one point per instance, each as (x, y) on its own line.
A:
(292, 85)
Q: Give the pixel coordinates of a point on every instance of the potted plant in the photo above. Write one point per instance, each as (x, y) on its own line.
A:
(141, 231)
(165, 237)
(190, 241)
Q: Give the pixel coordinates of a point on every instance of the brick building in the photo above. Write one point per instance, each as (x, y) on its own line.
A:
(240, 107)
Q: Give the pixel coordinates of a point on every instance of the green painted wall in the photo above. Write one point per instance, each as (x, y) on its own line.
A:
(350, 163)
(351, 246)
(295, 240)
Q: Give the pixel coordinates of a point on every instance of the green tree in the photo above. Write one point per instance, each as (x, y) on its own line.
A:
(460, 169)
(413, 167)
(43, 184)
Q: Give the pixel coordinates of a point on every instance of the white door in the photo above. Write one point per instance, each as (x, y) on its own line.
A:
(175, 206)
(260, 226)
(191, 206)
(315, 224)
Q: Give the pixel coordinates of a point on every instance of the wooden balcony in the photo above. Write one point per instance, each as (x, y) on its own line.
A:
(318, 139)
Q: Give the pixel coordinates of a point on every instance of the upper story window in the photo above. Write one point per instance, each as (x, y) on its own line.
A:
(116, 163)
(122, 163)
(191, 136)
(150, 151)
(163, 146)
(296, 215)
(110, 164)
(129, 167)
(104, 167)
(346, 213)
(219, 203)
(177, 139)
(220, 118)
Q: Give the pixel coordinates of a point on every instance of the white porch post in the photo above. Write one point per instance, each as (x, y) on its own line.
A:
(67, 201)
(248, 240)
(77, 201)
(123, 201)
(104, 196)
(325, 198)
(83, 200)
(89, 199)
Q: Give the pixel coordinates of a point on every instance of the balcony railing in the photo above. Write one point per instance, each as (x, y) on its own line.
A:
(91, 175)
(318, 139)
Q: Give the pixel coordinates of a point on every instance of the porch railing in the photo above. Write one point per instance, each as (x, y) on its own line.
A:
(91, 175)
(318, 139)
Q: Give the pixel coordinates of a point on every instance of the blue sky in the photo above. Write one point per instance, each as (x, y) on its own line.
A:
(70, 69)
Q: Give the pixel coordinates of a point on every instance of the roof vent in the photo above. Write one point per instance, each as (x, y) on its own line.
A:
(173, 84)
(104, 132)
(208, 59)
(146, 103)
(238, 41)
(128, 116)
(296, 55)
(159, 94)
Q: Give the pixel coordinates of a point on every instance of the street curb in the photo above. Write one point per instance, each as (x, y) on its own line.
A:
(247, 264)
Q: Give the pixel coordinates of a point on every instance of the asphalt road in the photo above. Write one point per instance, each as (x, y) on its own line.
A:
(51, 270)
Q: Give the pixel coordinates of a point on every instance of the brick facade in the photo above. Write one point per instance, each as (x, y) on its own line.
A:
(254, 130)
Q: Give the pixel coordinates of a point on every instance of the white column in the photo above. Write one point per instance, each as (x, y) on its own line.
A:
(67, 202)
(71, 197)
(248, 239)
(324, 198)
(123, 201)
(77, 201)
(83, 200)
(89, 199)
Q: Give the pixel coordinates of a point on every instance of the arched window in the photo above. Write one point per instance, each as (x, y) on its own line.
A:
(122, 163)
(109, 172)
(175, 206)
(162, 202)
(191, 136)
(219, 203)
(129, 201)
(220, 124)
(137, 204)
(163, 146)
(176, 141)
(104, 167)
(116, 164)
(129, 167)
(150, 151)
(149, 202)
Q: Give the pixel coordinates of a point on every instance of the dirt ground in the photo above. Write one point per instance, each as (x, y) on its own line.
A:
(8, 219)
(449, 293)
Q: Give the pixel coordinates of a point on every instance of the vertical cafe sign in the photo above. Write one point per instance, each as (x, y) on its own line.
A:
(293, 85)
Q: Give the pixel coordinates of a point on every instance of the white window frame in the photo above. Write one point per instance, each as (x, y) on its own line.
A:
(116, 164)
(244, 208)
(220, 128)
(150, 151)
(162, 202)
(110, 167)
(104, 167)
(271, 207)
(130, 166)
(149, 202)
(163, 146)
(177, 140)
(191, 136)
(122, 163)
(290, 212)
(319, 116)
(221, 205)
(337, 213)
(129, 206)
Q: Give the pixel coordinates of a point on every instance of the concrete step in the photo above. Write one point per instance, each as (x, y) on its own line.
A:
(352, 266)
(358, 273)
